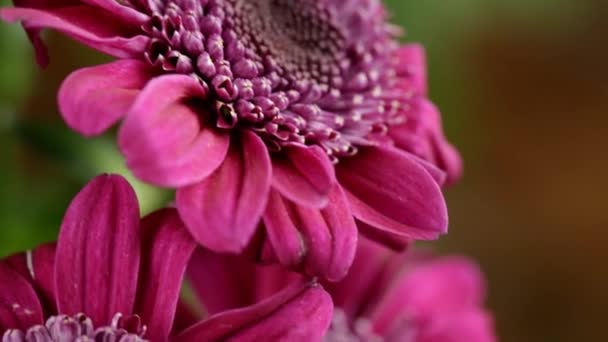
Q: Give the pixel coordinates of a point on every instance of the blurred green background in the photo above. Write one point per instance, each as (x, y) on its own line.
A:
(523, 86)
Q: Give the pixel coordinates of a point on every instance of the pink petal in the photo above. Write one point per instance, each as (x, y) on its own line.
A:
(470, 325)
(299, 313)
(284, 236)
(124, 13)
(223, 210)
(19, 304)
(305, 175)
(413, 62)
(221, 281)
(38, 267)
(431, 289)
(165, 140)
(327, 237)
(91, 26)
(392, 239)
(98, 251)
(93, 99)
(166, 250)
(362, 283)
(390, 191)
(423, 135)
(42, 56)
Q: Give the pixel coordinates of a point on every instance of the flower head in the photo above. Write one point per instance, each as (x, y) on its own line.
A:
(411, 298)
(305, 117)
(111, 277)
(386, 296)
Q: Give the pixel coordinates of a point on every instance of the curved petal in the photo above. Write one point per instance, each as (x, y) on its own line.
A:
(391, 191)
(470, 325)
(166, 250)
(38, 267)
(423, 135)
(298, 313)
(98, 251)
(165, 140)
(431, 289)
(285, 238)
(117, 9)
(223, 210)
(305, 175)
(412, 60)
(91, 26)
(357, 291)
(221, 281)
(93, 99)
(19, 304)
(328, 236)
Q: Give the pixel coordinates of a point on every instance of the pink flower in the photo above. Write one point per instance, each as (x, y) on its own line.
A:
(410, 298)
(405, 297)
(299, 120)
(111, 277)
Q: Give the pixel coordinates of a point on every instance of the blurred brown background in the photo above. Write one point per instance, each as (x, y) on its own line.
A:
(523, 86)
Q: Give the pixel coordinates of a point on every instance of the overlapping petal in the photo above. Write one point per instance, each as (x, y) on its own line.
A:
(165, 141)
(392, 192)
(322, 241)
(304, 175)
(98, 251)
(92, 26)
(166, 250)
(278, 318)
(38, 267)
(224, 209)
(19, 304)
(93, 99)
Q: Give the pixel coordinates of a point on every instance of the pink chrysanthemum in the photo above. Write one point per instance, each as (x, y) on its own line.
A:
(305, 118)
(386, 297)
(112, 278)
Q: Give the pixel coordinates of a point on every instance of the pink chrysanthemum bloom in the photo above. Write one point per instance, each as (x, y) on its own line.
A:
(386, 297)
(410, 298)
(111, 277)
(306, 118)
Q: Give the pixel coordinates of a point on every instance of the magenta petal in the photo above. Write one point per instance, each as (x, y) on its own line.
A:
(126, 14)
(166, 249)
(164, 140)
(38, 267)
(432, 289)
(298, 313)
(305, 175)
(98, 251)
(93, 99)
(391, 191)
(413, 62)
(19, 304)
(284, 236)
(221, 281)
(223, 211)
(322, 240)
(473, 325)
(423, 135)
(93, 27)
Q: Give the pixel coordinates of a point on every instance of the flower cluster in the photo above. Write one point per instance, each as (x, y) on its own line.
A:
(296, 133)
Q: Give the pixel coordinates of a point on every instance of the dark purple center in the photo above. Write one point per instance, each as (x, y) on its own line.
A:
(316, 72)
(79, 328)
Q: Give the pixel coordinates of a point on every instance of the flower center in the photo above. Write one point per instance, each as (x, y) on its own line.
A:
(341, 330)
(79, 328)
(295, 71)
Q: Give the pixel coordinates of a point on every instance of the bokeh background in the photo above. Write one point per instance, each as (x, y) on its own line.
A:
(523, 86)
